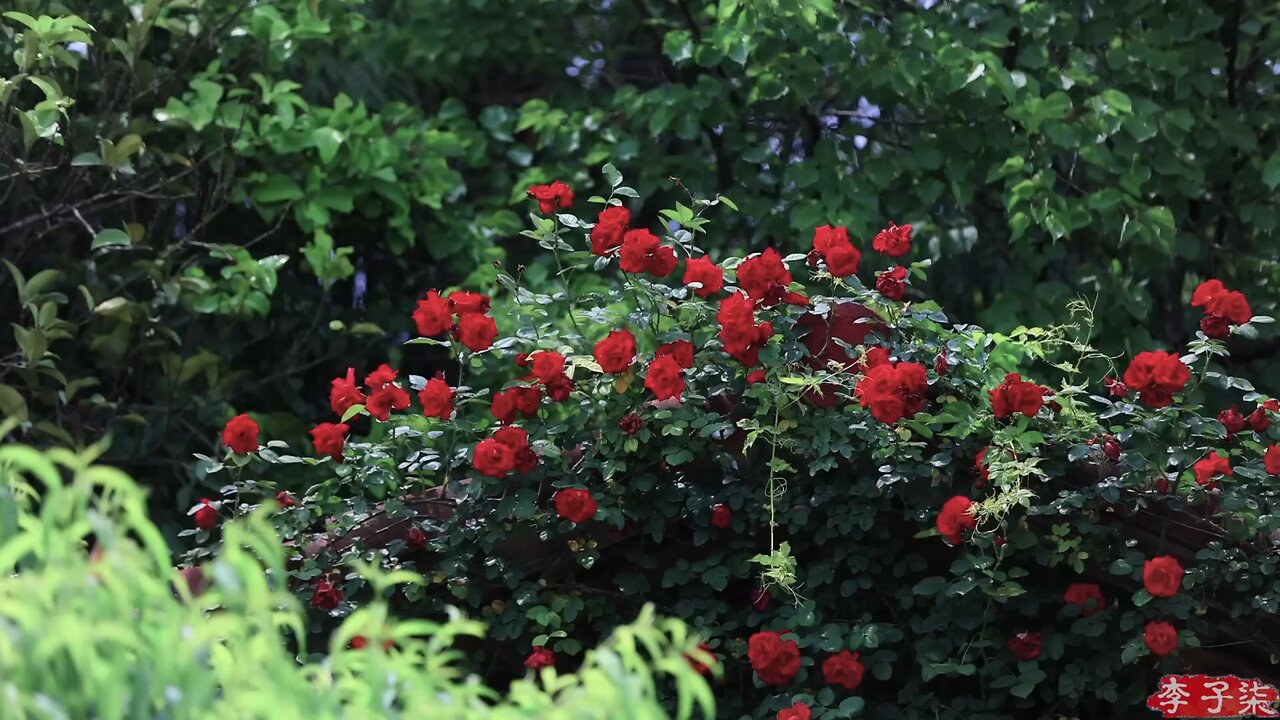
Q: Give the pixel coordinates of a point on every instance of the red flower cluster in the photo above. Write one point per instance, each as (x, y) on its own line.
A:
(521, 400)
(1271, 460)
(493, 458)
(436, 398)
(1210, 466)
(892, 391)
(345, 393)
(610, 226)
(664, 378)
(894, 241)
(798, 711)
(1259, 420)
(516, 439)
(384, 394)
(205, 515)
(706, 273)
(1025, 645)
(1222, 307)
(556, 196)
(540, 658)
(1162, 576)
(742, 336)
(764, 278)
(616, 351)
(328, 439)
(326, 596)
(241, 434)
(1156, 376)
(642, 252)
(721, 517)
(575, 505)
(679, 350)
(1087, 596)
(1161, 638)
(843, 669)
(892, 283)
(1016, 395)
(833, 246)
(776, 661)
(955, 519)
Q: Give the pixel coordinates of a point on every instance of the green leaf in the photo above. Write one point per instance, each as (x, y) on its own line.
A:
(276, 189)
(1271, 171)
(111, 237)
(327, 141)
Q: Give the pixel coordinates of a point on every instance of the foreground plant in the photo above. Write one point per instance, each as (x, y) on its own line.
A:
(95, 623)
(822, 475)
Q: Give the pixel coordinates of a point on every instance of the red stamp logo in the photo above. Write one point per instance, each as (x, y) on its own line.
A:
(1206, 696)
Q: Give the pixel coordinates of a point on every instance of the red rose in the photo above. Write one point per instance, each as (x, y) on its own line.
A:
(706, 273)
(1111, 449)
(1223, 308)
(1087, 596)
(574, 505)
(1116, 388)
(328, 439)
(798, 711)
(327, 596)
(285, 500)
(1232, 420)
(940, 364)
(828, 238)
(891, 283)
(1258, 419)
(680, 350)
(643, 252)
(875, 357)
(462, 302)
(1161, 638)
(697, 666)
(358, 642)
(380, 378)
(518, 441)
(630, 423)
(559, 389)
(416, 539)
(616, 352)
(721, 517)
(540, 658)
(1210, 466)
(1016, 395)
(492, 458)
(893, 391)
(742, 336)
(433, 316)
(776, 661)
(765, 278)
(1271, 460)
(843, 261)
(1156, 376)
(556, 196)
(1215, 326)
(206, 515)
(980, 462)
(476, 332)
(609, 229)
(755, 376)
(344, 393)
(1162, 576)
(547, 365)
(385, 399)
(436, 398)
(1025, 645)
(843, 669)
(955, 518)
(241, 434)
(664, 378)
(894, 241)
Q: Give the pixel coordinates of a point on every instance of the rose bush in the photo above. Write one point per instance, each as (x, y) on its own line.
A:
(867, 510)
